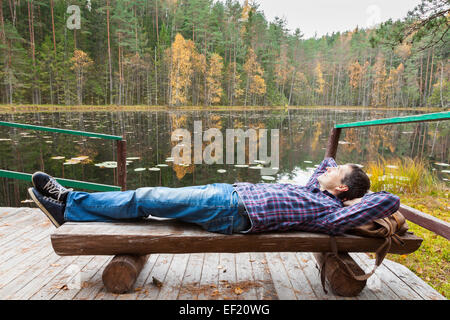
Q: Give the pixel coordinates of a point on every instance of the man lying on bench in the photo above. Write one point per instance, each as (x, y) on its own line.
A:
(333, 201)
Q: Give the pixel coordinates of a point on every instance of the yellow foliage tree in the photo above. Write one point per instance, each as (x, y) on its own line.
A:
(256, 85)
(80, 64)
(320, 82)
(214, 79)
(181, 69)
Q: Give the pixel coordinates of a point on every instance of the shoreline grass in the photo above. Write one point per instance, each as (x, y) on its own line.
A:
(22, 108)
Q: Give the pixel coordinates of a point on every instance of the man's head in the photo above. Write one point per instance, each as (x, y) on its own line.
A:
(346, 181)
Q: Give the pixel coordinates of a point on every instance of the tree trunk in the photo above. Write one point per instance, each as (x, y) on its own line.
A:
(53, 27)
(109, 55)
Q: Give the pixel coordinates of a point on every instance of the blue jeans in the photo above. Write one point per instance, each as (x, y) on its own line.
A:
(216, 207)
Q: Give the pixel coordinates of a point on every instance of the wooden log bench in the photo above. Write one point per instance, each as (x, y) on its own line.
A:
(132, 242)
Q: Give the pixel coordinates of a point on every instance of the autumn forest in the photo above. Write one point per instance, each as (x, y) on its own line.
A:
(204, 52)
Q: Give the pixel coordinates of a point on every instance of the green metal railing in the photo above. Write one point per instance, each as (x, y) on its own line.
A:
(121, 159)
(58, 130)
(65, 182)
(397, 120)
(424, 220)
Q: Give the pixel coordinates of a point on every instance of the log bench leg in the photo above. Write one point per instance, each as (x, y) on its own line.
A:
(122, 271)
(340, 281)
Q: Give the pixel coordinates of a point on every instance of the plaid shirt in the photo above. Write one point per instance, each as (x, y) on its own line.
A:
(280, 207)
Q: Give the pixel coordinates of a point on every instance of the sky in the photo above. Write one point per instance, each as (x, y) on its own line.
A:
(325, 16)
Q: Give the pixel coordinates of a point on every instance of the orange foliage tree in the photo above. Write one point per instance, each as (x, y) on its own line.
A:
(256, 85)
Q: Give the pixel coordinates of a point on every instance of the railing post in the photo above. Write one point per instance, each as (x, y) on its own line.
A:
(122, 163)
(333, 142)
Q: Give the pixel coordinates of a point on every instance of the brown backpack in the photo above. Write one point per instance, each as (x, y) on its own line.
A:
(390, 228)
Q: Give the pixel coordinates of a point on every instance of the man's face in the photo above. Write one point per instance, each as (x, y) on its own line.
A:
(331, 180)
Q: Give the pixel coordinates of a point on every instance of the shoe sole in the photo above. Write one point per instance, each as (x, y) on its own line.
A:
(39, 204)
(32, 179)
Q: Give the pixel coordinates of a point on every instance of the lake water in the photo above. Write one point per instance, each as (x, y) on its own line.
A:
(303, 134)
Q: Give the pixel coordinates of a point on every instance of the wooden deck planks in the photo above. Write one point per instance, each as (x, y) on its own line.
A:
(29, 269)
(190, 284)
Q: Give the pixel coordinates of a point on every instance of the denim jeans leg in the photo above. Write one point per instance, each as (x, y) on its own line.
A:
(213, 206)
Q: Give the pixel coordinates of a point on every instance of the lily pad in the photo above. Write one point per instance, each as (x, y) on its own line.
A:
(436, 163)
(80, 158)
(107, 164)
(71, 161)
(259, 161)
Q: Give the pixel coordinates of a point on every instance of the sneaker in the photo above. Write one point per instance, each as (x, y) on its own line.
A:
(49, 187)
(53, 209)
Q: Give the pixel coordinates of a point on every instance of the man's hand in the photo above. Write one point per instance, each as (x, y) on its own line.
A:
(352, 202)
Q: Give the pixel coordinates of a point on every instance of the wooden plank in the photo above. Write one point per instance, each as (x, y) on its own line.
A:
(19, 261)
(7, 212)
(100, 238)
(227, 277)
(159, 272)
(300, 284)
(34, 267)
(261, 274)
(65, 274)
(244, 274)
(190, 285)
(13, 236)
(87, 274)
(413, 281)
(281, 280)
(20, 219)
(174, 278)
(426, 221)
(16, 248)
(210, 277)
(390, 279)
(375, 283)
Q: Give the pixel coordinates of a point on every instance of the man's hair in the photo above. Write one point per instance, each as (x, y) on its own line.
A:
(358, 184)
